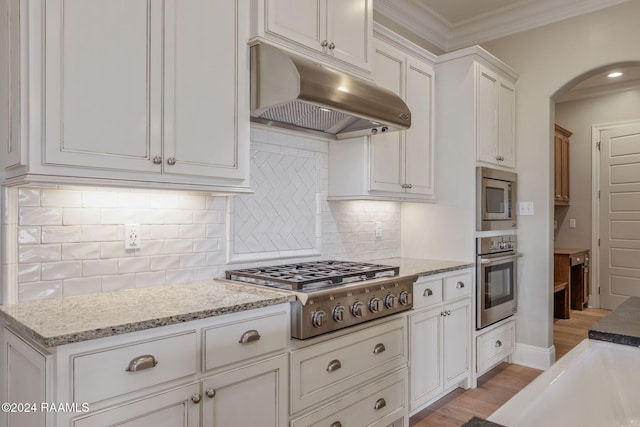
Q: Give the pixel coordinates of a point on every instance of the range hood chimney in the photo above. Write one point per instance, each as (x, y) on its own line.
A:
(296, 93)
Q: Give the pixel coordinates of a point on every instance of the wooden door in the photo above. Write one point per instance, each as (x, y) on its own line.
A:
(103, 84)
(619, 214)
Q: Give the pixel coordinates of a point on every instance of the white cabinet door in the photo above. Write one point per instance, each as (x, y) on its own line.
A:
(457, 340)
(174, 408)
(495, 118)
(302, 21)
(418, 152)
(507, 124)
(102, 86)
(252, 395)
(349, 31)
(386, 155)
(425, 354)
(205, 119)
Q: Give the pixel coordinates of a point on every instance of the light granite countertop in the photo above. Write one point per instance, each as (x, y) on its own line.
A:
(55, 322)
(424, 267)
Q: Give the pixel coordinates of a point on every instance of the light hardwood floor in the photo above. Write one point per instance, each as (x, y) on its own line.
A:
(504, 381)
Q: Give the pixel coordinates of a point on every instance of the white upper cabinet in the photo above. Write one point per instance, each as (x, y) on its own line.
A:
(138, 91)
(339, 31)
(396, 165)
(495, 118)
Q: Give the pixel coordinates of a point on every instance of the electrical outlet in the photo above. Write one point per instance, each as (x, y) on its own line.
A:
(572, 223)
(132, 236)
(378, 230)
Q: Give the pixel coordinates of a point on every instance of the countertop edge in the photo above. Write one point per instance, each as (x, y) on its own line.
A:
(621, 326)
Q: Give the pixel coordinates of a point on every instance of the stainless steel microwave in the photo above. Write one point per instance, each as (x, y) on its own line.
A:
(495, 199)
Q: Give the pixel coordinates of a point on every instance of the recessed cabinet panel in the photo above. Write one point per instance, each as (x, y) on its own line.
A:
(349, 29)
(201, 89)
(303, 21)
(487, 119)
(99, 92)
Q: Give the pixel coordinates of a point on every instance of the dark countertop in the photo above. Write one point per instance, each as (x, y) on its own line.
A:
(622, 326)
(479, 422)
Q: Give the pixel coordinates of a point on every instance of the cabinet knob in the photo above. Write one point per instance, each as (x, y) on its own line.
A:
(210, 393)
(157, 160)
(324, 43)
(332, 46)
(171, 161)
(196, 398)
(498, 343)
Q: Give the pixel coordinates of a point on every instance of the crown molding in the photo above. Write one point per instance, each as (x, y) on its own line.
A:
(505, 21)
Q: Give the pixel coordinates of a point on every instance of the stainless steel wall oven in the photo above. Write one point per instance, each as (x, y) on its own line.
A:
(496, 279)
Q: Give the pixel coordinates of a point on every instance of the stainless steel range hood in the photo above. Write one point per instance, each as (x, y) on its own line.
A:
(296, 93)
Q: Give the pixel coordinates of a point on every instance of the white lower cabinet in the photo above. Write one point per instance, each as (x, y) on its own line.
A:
(439, 337)
(157, 377)
(495, 345)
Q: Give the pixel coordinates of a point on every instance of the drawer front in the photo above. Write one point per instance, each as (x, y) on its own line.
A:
(577, 259)
(327, 369)
(233, 342)
(427, 293)
(495, 345)
(457, 286)
(104, 374)
(377, 404)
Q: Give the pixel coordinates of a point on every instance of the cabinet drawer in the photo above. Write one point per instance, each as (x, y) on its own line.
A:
(377, 404)
(457, 286)
(577, 259)
(327, 369)
(104, 374)
(427, 293)
(234, 342)
(495, 345)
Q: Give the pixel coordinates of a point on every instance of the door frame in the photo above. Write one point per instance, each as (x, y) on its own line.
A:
(594, 265)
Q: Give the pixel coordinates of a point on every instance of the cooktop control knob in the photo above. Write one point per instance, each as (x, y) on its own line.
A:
(390, 301)
(375, 304)
(318, 318)
(403, 298)
(338, 313)
(357, 309)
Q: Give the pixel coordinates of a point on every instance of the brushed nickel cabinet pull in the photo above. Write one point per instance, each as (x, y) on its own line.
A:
(380, 403)
(379, 348)
(336, 424)
(171, 161)
(427, 292)
(157, 160)
(498, 343)
(460, 285)
(141, 363)
(334, 365)
(211, 392)
(249, 336)
(196, 398)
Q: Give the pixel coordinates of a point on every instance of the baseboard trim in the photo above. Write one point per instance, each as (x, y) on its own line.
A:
(533, 356)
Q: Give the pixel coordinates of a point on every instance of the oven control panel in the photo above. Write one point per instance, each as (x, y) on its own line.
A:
(339, 308)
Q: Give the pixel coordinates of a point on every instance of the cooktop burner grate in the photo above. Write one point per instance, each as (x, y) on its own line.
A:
(312, 275)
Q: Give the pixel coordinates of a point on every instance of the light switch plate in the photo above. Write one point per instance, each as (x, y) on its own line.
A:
(572, 223)
(525, 208)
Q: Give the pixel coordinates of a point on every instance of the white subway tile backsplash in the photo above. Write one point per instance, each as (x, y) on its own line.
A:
(99, 267)
(60, 198)
(40, 216)
(61, 234)
(72, 287)
(28, 235)
(80, 251)
(76, 236)
(61, 270)
(134, 265)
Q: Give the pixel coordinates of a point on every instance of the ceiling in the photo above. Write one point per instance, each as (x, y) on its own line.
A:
(454, 24)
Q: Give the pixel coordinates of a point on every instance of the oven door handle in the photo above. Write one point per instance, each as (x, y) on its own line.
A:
(510, 257)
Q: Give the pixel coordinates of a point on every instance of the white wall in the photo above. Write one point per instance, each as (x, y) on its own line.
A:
(578, 117)
(549, 59)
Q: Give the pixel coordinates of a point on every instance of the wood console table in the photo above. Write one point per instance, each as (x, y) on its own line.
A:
(572, 266)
